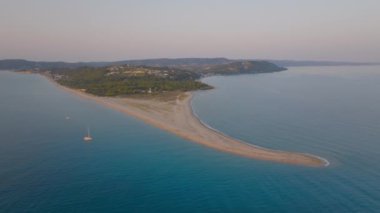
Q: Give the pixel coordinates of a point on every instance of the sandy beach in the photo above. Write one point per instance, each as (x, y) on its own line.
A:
(172, 112)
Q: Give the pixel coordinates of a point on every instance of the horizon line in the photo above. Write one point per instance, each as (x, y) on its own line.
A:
(175, 58)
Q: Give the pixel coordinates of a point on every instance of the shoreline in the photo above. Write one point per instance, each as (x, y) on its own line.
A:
(176, 116)
(325, 161)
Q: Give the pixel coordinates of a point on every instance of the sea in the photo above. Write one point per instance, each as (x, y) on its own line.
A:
(130, 166)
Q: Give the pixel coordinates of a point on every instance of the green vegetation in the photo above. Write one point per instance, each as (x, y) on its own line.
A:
(140, 76)
(242, 67)
(126, 80)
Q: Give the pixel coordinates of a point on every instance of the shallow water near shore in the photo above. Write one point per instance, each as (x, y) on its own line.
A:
(333, 112)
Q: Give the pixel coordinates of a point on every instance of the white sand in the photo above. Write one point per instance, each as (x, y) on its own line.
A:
(173, 113)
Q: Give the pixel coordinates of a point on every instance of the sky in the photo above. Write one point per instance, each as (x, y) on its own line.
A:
(107, 30)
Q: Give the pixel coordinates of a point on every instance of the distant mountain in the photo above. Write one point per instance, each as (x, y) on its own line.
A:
(291, 63)
(169, 62)
(19, 64)
(199, 65)
(195, 64)
(240, 67)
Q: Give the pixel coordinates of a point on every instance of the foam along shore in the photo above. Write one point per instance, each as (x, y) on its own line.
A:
(172, 112)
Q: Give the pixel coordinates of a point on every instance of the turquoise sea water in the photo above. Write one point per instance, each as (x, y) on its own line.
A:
(333, 112)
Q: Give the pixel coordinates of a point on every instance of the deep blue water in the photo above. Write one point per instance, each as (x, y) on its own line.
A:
(333, 112)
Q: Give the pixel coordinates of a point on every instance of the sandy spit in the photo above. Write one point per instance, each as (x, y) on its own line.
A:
(172, 112)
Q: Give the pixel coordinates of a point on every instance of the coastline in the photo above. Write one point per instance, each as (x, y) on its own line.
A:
(324, 161)
(174, 114)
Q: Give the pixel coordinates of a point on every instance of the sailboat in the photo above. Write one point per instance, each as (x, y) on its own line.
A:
(88, 136)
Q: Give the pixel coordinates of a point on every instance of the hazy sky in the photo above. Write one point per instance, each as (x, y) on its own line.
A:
(90, 30)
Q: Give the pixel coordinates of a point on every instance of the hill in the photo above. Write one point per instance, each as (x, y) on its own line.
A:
(134, 77)
(126, 80)
(240, 67)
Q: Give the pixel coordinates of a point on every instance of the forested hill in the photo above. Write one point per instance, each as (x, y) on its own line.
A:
(127, 80)
(206, 66)
(184, 63)
(18, 64)
(139, 76)
(120, 80)
(239, 67)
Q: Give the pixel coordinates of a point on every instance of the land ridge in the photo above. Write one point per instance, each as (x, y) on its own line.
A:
(17, 64)
(127, 79)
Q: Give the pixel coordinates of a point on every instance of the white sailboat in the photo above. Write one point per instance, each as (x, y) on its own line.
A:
(88, 136)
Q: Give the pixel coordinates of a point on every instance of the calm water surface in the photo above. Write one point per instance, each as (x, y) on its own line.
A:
(333, 112)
